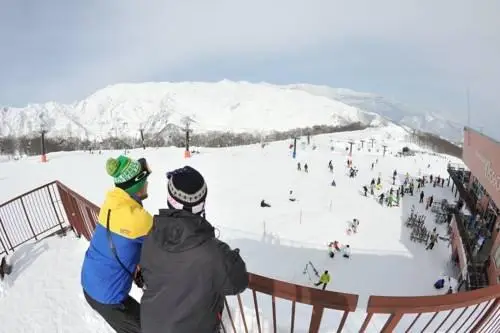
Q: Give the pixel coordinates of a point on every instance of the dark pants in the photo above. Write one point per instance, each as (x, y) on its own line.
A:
(324, 285)
(430, 246)
(123, 318)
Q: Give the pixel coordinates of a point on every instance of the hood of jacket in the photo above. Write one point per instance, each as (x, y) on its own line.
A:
(178, 230)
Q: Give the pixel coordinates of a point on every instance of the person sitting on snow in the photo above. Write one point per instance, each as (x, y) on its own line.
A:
(346, 250)
(264, 204)
(333, 183)
(291, 196)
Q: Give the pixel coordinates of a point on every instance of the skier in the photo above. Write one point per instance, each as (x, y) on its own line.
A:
(373, 164)
(421, 197)
(291, 197)
(346, 250)
(306, 168)
(111, 261)
(365, 189)
(390, 200)
(187, 270)
(381, 199)
(331, 252)
(330, 166)
(299, 168)
(432, 239)
(324, 279)
(333, 183)
(354, 225)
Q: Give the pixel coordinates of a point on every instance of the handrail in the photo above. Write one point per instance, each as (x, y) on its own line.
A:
(302, 294)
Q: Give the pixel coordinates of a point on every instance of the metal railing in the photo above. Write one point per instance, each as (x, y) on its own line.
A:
(289, 307)
(33, 215)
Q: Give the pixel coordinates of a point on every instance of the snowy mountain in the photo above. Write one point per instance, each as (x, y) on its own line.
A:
(238, 107)
(398, 112)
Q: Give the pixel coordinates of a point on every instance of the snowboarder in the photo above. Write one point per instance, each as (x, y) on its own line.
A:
(291, 197)
(324, 280)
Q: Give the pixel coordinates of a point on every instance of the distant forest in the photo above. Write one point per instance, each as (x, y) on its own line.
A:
(176, 137)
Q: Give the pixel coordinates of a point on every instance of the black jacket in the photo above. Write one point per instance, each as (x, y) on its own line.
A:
(187, 272)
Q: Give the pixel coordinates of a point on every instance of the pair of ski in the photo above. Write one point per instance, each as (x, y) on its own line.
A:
(306, 270)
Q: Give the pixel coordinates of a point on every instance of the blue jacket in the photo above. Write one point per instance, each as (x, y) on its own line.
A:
(102, 277)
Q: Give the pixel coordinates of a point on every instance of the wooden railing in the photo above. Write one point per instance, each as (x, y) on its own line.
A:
(55, 206)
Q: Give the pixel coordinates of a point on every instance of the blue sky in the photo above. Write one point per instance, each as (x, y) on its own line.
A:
(421, 52)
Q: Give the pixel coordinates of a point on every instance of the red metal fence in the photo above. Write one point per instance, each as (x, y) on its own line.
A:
(269, 305)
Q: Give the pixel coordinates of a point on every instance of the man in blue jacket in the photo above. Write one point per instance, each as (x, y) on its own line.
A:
(110, 263)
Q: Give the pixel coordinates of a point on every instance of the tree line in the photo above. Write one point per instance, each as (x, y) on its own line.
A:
(31, 145)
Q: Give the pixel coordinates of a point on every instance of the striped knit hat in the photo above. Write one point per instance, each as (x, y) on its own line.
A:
(187, 190)
(128, 174)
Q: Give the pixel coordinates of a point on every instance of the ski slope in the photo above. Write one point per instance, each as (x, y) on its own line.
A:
(43, 293)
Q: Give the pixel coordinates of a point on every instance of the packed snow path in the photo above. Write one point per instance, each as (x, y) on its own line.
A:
(276, 242)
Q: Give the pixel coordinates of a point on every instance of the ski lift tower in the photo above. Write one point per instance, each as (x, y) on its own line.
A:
(362, 144)
(372, 141)
(43, 151)
(141, 130)
(351, 143)
(187, 122)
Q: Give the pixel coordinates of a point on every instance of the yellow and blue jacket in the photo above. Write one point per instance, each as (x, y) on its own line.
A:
(102, 276)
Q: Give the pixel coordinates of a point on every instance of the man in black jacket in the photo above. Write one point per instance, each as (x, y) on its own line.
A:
(187, 271)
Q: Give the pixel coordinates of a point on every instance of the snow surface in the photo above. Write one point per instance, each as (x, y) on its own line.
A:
(43, 293)
(123, 109)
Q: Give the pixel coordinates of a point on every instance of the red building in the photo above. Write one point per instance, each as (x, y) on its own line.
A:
(475, 233)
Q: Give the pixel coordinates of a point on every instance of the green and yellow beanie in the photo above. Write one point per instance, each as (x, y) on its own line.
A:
(124, 170)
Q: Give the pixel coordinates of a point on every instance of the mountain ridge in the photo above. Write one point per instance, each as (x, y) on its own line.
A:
(126, 108)
(398, 112)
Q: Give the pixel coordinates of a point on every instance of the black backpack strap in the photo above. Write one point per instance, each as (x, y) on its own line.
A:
(112, 246)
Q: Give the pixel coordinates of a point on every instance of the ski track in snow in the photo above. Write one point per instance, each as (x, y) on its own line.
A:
(43, 293)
